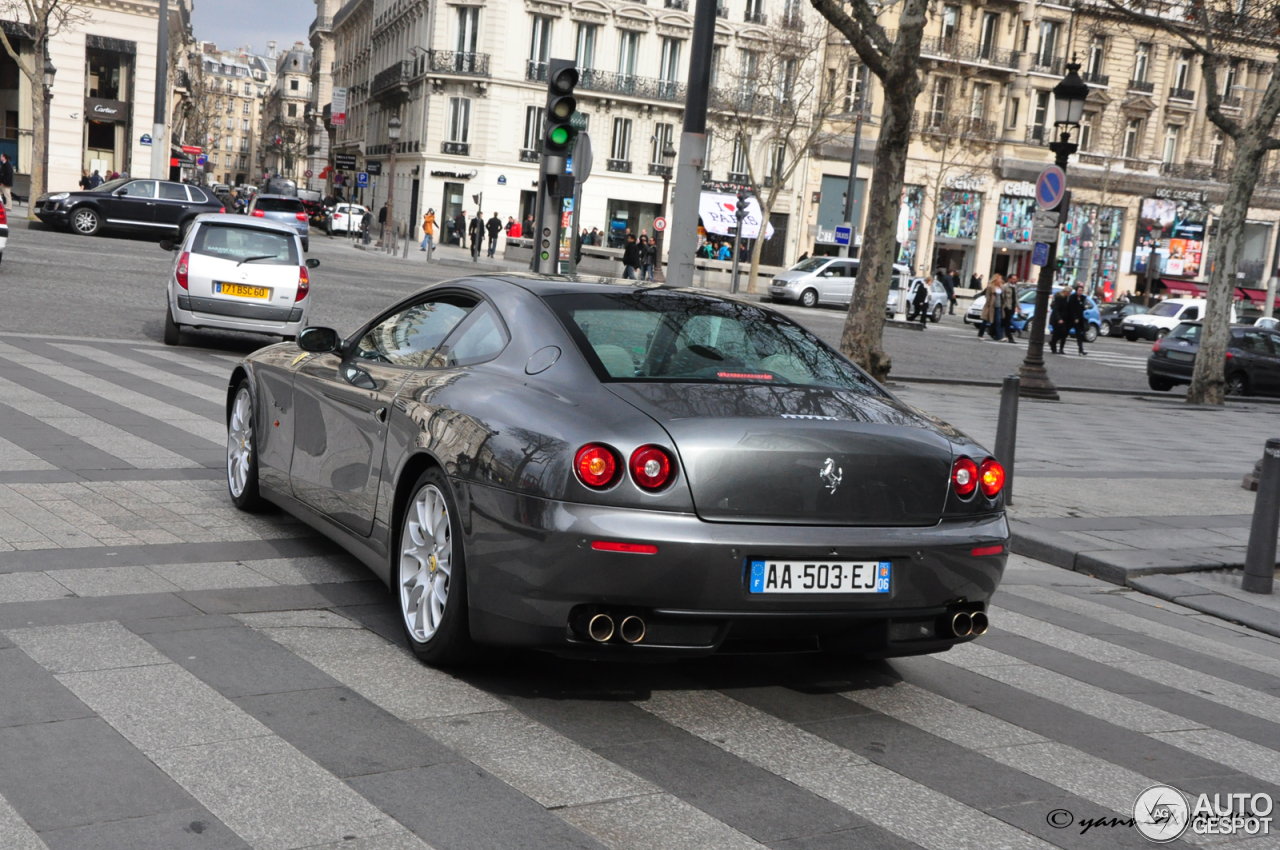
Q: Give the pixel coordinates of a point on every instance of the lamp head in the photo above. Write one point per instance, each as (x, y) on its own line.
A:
(393, 127)
(1069, 96)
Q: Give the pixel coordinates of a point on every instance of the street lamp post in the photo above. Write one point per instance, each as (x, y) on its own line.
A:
(668, 157)
(49, 73)
(1068, 96)
(393, 133)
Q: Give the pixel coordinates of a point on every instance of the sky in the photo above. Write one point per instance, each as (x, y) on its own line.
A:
(233, 23)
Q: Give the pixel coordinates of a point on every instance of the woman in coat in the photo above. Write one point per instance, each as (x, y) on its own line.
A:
(993, 309)
(1008, 308)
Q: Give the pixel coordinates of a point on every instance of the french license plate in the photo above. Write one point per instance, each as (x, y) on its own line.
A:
(240, 290)
(1181, 355)
(816, 577)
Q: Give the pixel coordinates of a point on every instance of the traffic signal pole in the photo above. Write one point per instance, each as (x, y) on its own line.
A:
(555, 183)
(693, 148)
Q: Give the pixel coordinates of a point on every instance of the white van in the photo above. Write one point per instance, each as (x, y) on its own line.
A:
(1164, 317)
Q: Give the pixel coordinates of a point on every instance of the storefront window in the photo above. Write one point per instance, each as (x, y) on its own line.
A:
(909, 225)
(106, 74)
(1090, 248)
(1013, 219)
(958, 214)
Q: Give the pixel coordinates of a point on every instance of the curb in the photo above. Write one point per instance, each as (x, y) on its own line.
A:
(1208, 602)
(971, 382)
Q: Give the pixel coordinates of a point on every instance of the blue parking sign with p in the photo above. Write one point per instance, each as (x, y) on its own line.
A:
(362, 179)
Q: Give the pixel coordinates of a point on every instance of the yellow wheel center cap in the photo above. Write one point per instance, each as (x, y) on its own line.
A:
(432, 559)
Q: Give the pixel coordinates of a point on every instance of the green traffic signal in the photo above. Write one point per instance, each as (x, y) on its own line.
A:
(559, 135)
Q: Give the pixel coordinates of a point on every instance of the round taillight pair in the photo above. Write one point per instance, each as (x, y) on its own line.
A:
(597, 466)
(967, 476)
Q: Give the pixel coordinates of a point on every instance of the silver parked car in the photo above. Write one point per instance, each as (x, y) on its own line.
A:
(821, 280)
(936, 307)
(285, 209)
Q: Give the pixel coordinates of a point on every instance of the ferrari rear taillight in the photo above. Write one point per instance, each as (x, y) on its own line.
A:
(181, 273)
(259, 214)
(991, 477)
(651, 467)
(596, 465)
(300, 216)
(304, 283)
(964, 477)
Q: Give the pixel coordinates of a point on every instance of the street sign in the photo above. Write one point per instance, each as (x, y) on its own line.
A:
(844, 234)
(306, 173)
(191, 149)
(201, 159)
(374, 168)
(1044, 226)
(344, 161)
(1050, 185)
(362, 179)
(337, 180)
(145, 140)
(1040, 255)
(582, 157)
(659, 224)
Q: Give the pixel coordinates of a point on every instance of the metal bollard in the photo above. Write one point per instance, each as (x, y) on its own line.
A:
(1007, 432)
(1260, 559)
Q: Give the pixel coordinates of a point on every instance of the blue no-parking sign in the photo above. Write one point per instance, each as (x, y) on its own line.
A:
(362, 179)
(1050, 185)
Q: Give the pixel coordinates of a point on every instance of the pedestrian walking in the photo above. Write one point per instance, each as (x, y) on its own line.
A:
(460, 229)
(642, 251)
(494, 226)
(919, 295)
(382, 223)
(1058, 322)
(95, 179)
(84, 180)
(1077, 304)
(476, 232)
(630, 258)
(511, 222)
(652, 257)
(975, 282)
(428, 231)
(992, 311)
(6, 180)
(529, 227)
(949, 284)
(366, 225)
(1008, 308)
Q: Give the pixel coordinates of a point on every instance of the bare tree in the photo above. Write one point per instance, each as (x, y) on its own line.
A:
(288, 142)
(775, 104)
(200, 116)
(896, 63)
(41, 20)
(1205, 27)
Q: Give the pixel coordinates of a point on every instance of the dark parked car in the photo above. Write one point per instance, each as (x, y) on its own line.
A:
(163, 207)
(621, 470)
(1253, 359)
(1111, 316)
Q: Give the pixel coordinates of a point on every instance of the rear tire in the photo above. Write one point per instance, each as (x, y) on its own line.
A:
(936, 316)
(1161, 334)
(172, 330)
(1132, 336)
(1106, 329)
(85, 221)
(1091, 333)
(1162, 385)
(809, 298)
(1238, 384)
(306, 243)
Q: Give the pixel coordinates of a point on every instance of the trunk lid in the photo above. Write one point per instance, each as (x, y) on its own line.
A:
(794, 455)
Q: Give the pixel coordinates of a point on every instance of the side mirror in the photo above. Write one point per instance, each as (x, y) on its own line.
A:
(168, 245)
(121, 192)
(318, 339)
(313, 263)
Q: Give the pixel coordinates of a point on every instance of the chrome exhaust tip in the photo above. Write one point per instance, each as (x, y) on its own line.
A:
(600, 628)
(631, 629)
(979, 623)
(962, 624)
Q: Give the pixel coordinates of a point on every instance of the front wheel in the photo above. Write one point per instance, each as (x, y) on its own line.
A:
(242, 453)
(937, 314)
(1161, 334)
(430, 574)
(1105, 330)
(809, 298)
(1091, 333)
(1132, 336)
(85, 221)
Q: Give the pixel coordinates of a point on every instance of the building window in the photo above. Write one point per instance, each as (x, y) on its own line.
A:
(987, 40)
(244, 144)
(248, 88)
(741, 153)
(1088, 121)
(662, 136)
(468, 25)
(1170, 153)
(1011, 113)
(717, 56)
(777, 162)
(246, 107)
(293, 110)
(1040, 116)
(669, 70)
(293, 85)
(1218, 151)
(1133, 138)
(1050, 31)
(459, 119)
(245, 125)
(855, 80)
(1097, 54)
(1141, 62)
(540, 43)
(787, 81)
(941, 97)
(585, 54)
(533, 119)
(628, 49)
(621, 150)
(1182, 71)
(978, 98)
(950, 21)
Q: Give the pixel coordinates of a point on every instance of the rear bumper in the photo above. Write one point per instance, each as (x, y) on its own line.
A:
(534, 580)
(1163, 367)
(221, 314)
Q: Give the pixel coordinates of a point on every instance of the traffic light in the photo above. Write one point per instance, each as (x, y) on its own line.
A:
(558, 136)
(742, 205)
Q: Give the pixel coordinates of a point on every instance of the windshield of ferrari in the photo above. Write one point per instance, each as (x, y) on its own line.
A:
(678, 337)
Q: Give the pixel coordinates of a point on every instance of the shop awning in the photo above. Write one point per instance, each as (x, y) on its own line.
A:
(1257, 296)
(1184, 287)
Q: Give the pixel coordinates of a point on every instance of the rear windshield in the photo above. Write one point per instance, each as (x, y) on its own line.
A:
(1187, 332)
(677, 337)
(1167, 309)
(291, 205)
(229, 242)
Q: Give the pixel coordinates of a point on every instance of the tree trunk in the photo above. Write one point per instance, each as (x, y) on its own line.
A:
(38, 143)
(1209, 376)
(864, 325)
(754, 275)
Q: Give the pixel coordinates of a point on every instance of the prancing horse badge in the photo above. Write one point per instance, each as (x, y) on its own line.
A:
(831, 475)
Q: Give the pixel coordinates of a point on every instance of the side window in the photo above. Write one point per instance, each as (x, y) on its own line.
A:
(140, 189)
(1191, 314)
(197, 195)
(410, 338)
(481, 337)
(1255, 342)
(173, 192)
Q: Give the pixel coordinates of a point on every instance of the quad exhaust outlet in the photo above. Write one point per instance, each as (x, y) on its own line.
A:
(962, 624)
(632, 629)
(602, 628)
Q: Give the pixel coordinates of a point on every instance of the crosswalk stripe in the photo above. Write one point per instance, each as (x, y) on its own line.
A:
(15, 832)
(149, 373)
(886, 798)
(1125, 712)
(197, 364)
(116, 442)
(526, 755)
(14, 458)
(260, 786)
(195, 424)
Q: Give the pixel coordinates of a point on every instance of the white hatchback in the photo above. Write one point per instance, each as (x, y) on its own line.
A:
(238, 274)
(345, 218)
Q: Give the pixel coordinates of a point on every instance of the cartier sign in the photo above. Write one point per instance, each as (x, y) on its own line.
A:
(100, 109)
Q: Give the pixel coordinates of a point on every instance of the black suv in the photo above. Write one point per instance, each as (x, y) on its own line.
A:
(1253, 359)
(163, 207)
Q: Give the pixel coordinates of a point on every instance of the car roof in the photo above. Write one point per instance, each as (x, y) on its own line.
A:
(281, 197)
(245, 221)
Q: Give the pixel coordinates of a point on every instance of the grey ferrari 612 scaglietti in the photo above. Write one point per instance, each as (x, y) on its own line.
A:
(629, 471)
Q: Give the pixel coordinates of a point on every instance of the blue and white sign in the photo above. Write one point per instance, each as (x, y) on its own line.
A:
(201, 159)
(502, 179)
(1040, 255)
(362, 179)
(1050, 185)
(844, 235)
(145, 140)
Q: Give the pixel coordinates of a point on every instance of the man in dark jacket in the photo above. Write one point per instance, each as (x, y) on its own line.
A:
(630, 258)
(460, 228)
(948, 282)
(382, 223)
(1076, 305)
(1058, 327)
(477, 234)
(6, 180)
(494, 226)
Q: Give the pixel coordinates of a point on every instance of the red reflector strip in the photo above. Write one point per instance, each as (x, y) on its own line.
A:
(745, 376)
(984, 551)
(631, 548)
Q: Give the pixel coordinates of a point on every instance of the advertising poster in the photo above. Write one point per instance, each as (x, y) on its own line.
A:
(1173, 228)
(338, 108)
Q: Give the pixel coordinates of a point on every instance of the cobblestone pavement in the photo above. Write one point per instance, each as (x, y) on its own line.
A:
(179, 675)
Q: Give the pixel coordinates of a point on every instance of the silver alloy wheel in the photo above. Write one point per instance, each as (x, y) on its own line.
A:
(426, 563)
(239, 443)
(86, 221)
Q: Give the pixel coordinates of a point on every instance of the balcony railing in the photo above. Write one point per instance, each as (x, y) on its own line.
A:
(740, 177)
(957, 50)
(1176, 93)
(1193, 171)
(622, 166)
(396, 76)
(955, 126)
(1095, 78)
(611, 83)
(465, 64)
(657, 169)
(527, 155)
(749, 101)
(1143, 86)
(320, 24)
(793, 21)
(1053, 65)
(755, 17)
(456, 148)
